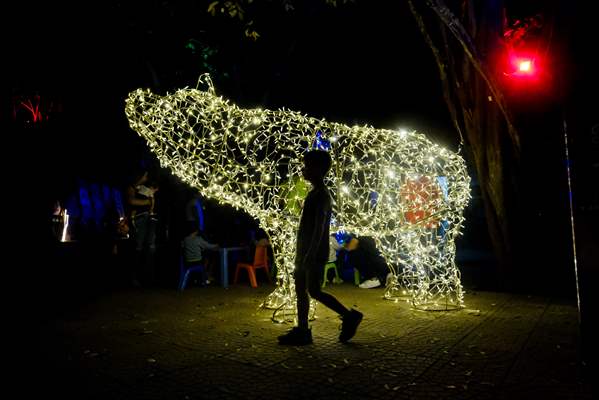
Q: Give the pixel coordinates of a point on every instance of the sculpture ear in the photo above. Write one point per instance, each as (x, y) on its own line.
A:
(206, 80)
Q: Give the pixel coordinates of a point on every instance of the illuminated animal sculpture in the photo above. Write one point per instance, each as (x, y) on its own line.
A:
(396, 186)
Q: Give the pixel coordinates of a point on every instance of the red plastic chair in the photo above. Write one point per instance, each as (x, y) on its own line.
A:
(260, 261)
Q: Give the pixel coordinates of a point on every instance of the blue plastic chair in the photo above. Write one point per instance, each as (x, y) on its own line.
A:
(185, 271)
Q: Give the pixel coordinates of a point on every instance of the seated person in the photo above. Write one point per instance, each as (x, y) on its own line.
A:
(259, 238)
(194, 246)
(368, 260)
(333, 247)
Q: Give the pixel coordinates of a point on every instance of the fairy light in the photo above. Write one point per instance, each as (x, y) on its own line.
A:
(385, 184)
(65, 226)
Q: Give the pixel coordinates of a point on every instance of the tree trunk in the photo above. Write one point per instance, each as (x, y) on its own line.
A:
(476, 105)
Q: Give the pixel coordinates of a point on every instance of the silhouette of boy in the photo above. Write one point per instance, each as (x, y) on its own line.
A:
(312, 253)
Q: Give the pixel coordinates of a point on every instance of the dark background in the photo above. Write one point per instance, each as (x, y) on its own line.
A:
(352, 64)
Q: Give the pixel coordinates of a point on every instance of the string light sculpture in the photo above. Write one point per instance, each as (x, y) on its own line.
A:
(395, 186)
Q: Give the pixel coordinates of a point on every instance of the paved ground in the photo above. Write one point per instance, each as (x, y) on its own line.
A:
(212, 343)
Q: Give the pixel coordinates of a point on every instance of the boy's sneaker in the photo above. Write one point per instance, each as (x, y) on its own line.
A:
(350, 323)
(296, 337)
(370, 283)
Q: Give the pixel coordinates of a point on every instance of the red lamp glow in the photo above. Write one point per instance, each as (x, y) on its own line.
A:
(522, 66)
(525, 66)
(526, 72)
(525, 61)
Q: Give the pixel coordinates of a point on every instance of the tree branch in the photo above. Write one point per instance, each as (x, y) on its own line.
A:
(458, 31)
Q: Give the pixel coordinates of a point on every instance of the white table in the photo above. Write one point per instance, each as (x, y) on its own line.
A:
(224, 262)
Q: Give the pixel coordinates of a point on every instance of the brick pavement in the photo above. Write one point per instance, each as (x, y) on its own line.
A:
(212, 343)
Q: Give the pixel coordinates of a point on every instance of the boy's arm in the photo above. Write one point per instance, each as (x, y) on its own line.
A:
(206, 245)
(334, 244)
(134, 201)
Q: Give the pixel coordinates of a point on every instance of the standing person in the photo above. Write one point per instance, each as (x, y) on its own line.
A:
(194, 211)
(311, 255)
(140, 201)
(366, 258)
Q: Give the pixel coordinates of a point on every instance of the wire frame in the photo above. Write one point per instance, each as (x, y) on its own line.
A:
(398, 187)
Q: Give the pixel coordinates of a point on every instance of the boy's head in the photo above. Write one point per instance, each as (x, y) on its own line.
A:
(351, 244)
(316, 165)
(342, 237)
(140, 177)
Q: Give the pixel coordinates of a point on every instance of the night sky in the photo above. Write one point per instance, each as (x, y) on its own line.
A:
(352, 64)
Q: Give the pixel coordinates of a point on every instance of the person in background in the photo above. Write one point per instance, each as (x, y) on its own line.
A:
(312, 253)
(334, 246)
(368, 260)
(140, 201)
(194, 211)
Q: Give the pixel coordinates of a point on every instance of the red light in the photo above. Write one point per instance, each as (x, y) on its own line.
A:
(525, 66)
(525, 61)
(525, 71)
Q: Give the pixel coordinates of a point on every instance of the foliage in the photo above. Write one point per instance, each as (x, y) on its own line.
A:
(238, 9)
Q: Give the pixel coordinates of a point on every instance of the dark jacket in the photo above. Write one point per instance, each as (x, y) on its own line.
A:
(368, 259)
(312, 249)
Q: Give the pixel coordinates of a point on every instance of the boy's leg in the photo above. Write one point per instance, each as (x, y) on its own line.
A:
(303, 301)
(315, 290)
(382, 269)
(301, 334)
(145, 248)
(351, 318)
(150, 248)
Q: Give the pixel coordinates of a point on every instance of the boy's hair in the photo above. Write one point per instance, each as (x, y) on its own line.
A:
(319, 158)
(342, 237)
(137, 174)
